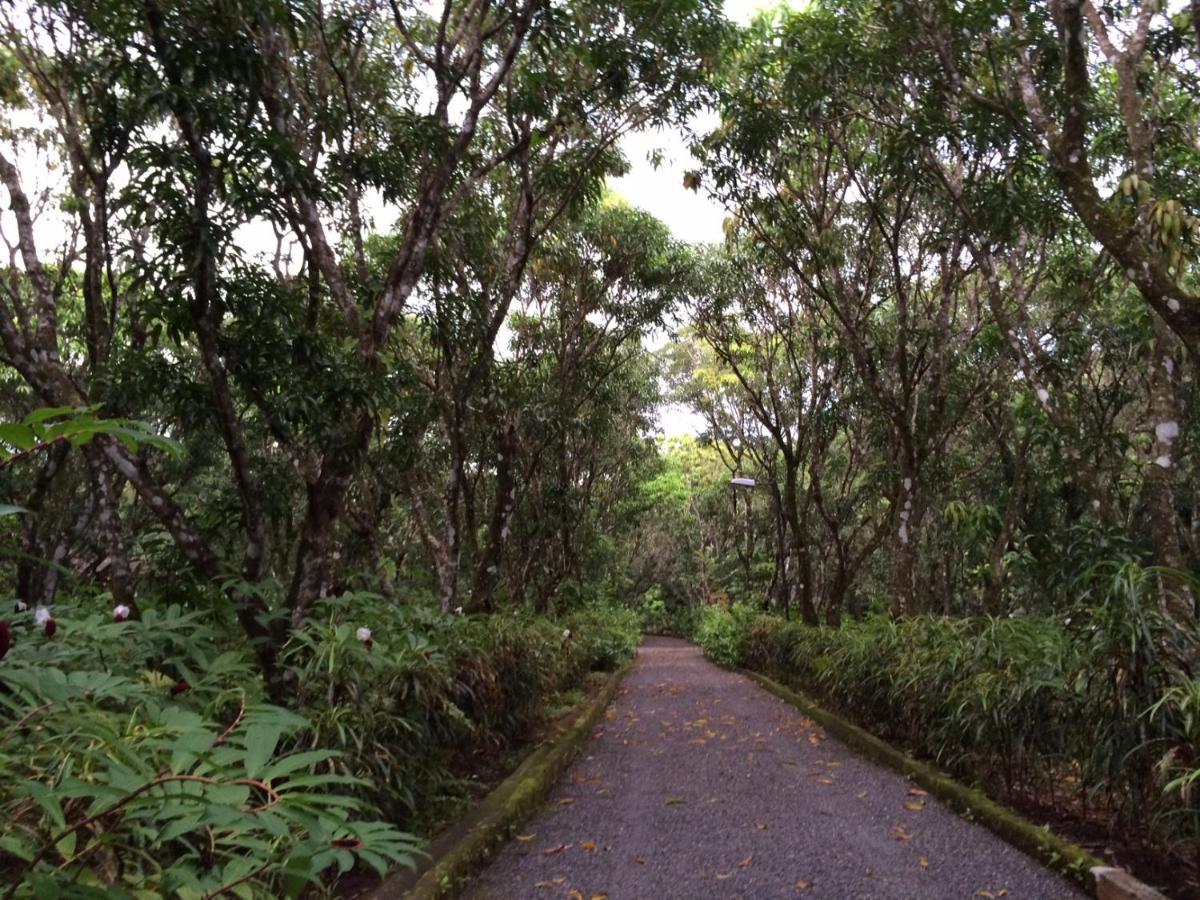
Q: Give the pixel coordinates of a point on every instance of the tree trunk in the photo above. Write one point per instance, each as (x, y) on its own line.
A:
(1165, 414)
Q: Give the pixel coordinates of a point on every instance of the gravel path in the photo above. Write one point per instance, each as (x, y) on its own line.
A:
(700, 784)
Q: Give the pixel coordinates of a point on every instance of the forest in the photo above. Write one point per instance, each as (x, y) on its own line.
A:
(333, 372)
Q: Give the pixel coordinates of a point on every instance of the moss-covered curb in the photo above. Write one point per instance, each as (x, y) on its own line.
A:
(1038, 842)
(495, 818)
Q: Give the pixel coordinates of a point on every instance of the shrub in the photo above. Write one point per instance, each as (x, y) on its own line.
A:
(160, 772)
(431, 687)
(1100, 704)
(723, 634)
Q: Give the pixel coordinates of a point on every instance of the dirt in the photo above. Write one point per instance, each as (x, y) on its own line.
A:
(699, 784)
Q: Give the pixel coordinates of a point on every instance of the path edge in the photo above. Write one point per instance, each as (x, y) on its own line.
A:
(1055, 852)
(490, 823)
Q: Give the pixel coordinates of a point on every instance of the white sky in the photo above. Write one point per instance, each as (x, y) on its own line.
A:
(690, 215)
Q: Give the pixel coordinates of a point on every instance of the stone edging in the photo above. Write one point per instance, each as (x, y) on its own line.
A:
(493, 819)
(1059, 854)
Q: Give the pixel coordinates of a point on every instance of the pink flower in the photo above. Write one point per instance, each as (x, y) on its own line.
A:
(364, 635)
(180, 687)
(120, 612)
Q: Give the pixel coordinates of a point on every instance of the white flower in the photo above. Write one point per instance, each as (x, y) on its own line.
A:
(120, 612)
(363, 633)
(22, 606)
(458, 610)
(566, 634)
(42, 615)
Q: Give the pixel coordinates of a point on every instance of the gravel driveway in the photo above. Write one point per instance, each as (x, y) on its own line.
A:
(700, 784)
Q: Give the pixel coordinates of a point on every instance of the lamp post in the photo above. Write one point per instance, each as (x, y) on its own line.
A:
(749, 484)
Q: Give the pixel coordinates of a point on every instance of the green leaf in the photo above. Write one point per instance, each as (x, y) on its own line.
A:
(18, 436)
(260, 746)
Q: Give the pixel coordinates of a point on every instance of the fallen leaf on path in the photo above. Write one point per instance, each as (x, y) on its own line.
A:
(553, 882)
(900, 833)
(745, 863)
(675, 801)
(917, 792)
(610, 713)
(526, 837)
(599, 897)
(566, 801)
(588, 845)
(639, 860)
(791, 765)
(574, 895)
(914, 805)
(862, 795)
(824, 779)
(802, 885)
(760, 826)
(721, 876)
(924, 863)
(559, 849)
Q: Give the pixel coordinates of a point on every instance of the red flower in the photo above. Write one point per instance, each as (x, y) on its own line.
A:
(180, 687)
(50, 627)
(345, 843)
(5, 638)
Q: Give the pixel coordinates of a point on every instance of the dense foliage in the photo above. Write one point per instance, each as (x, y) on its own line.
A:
(327, 411)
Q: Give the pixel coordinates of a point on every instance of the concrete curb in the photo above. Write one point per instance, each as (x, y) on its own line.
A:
(478, 834)
(1039, 842)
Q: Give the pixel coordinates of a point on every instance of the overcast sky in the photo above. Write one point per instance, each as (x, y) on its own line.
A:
(690, 215)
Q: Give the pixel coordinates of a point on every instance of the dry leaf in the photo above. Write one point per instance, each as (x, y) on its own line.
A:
(574, 895)
(984, 894)
(721, 876)
(914, 805)
(760, 826)
(900, 833)
(559, 849)
(588, 845)
(825, 781)
(801, 884)
(599, 897)
(674, 801)
(610, 713)
(639, 860)
(862, 795)
(924, 863)
(566, 801)
(526, 837)
(917, 792)
(745, 863)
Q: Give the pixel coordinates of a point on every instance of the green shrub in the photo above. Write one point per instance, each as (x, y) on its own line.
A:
(139, 761)
(723, 634)
(656, 616)
(432, 687)
(604, 637)
(1100, 704)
